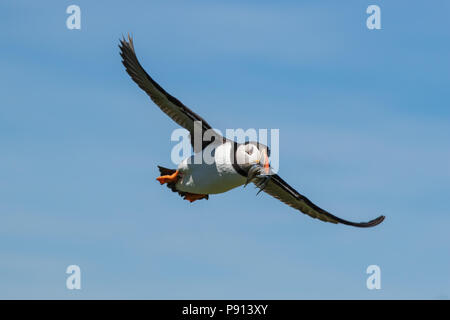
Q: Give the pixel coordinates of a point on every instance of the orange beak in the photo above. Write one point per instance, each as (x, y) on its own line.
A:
(266, 163)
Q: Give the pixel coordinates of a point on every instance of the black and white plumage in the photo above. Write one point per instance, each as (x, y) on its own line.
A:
(234, 164)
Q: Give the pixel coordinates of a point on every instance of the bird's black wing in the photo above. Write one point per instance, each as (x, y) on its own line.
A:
(173, 107)
(280, 190)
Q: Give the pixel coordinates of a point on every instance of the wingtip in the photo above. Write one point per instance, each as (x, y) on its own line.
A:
(126, 41)
(378, 220)
(372, 223)
(369, 224)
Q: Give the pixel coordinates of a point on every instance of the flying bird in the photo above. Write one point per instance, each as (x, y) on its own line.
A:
(234, 164)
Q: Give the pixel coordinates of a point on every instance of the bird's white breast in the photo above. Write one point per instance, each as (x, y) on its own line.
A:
(209, 178)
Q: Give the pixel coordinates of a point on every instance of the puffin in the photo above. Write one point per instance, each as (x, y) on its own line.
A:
(231, 164)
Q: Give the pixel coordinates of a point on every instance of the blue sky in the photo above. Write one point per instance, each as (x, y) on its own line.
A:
(364, 119)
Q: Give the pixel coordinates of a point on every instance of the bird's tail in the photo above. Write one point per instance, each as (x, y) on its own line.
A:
(165, 171)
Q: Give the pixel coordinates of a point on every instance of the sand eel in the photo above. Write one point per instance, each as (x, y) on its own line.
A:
(233, 164)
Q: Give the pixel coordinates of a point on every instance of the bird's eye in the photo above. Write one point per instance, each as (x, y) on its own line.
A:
(249, 151)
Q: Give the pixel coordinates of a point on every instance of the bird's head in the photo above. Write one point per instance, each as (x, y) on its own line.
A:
(253, 153)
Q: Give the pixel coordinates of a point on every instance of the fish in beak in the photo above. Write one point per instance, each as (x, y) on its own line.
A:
(254, 171)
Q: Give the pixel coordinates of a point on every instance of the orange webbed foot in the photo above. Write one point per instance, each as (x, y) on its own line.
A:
(191, 197)
(169, 178)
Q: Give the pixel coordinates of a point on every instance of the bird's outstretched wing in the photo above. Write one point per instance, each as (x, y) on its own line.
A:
(279, 189)
(173, 107)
